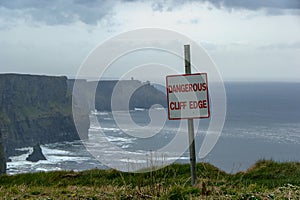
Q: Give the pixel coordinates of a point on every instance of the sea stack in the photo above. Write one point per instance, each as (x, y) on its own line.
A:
(36, 155)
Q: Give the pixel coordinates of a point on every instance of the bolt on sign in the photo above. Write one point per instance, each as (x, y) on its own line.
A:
(187, 96)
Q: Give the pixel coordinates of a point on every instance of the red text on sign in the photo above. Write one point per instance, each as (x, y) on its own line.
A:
(187, 87)
(177, 105)
(198, 104)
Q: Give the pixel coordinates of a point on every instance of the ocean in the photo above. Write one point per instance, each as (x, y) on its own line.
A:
(262, 122)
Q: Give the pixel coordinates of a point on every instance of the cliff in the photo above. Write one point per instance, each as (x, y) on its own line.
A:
(36, 109)
(2, 157)
(144, 96)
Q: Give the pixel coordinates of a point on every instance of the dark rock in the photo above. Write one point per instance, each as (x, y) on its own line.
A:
(2, 157)
(36, 155)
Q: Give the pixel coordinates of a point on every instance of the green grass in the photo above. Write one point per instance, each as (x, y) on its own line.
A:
(264, 180)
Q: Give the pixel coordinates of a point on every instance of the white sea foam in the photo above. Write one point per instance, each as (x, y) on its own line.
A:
(39, 169)
(139, 109)
(103, 113)
(121, 140)
(63, 158)
(125, 146)
(97, 128)
(111, 129)
(17, 163)
(132, 161)
(108, 118)
(54, 156)
(50, 151)
(22, 157)
(93, 128)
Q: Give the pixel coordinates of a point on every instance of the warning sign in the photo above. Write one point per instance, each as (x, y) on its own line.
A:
(187, 96)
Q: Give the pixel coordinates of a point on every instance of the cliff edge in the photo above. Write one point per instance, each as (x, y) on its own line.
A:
(36, 109)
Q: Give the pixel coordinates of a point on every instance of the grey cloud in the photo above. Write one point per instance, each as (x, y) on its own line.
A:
(21, 4)
(60, 11)
(272, 6)
(164, 5)
(158, 6)
(257, 4)
(54, 12)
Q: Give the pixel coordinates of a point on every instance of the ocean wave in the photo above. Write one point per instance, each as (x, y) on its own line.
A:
(63, 158)
(51, 151)
(281, 133)
(22, 157)
(120, 140)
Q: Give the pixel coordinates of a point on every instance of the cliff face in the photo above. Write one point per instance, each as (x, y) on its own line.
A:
(35, 109)
(2, 157)
(38, 109)
(144, 95)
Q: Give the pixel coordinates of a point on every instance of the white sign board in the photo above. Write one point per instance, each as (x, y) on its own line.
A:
(187, 96)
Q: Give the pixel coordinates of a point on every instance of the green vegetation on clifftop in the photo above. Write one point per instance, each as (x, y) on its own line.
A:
(265, 180)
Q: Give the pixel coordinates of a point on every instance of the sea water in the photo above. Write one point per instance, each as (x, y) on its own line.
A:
(262, 122)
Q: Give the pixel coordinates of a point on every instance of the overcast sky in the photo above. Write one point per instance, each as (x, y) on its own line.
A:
(248, 40)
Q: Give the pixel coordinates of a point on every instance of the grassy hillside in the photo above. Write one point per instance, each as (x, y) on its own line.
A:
(265, 180)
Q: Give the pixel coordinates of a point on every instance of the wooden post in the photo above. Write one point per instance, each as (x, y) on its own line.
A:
(187, 58)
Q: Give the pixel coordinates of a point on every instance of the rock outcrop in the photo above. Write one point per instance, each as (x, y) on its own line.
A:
(36, 155)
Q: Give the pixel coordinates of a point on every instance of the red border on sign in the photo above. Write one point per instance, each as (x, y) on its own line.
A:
(208, 112)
